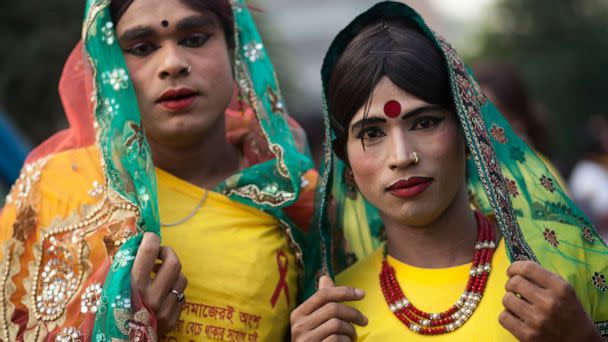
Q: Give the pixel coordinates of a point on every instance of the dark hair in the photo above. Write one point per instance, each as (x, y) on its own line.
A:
(390, 47)
(221, 8)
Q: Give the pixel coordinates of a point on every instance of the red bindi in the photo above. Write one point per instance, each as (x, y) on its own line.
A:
(392, 109)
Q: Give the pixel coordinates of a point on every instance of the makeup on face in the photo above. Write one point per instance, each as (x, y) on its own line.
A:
(392, 108)
(410, 187)
(191, 23)
(178, 100)
(378, 120)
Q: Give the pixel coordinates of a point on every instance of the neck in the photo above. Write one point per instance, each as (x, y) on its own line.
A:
(205, 163)
(446, 242)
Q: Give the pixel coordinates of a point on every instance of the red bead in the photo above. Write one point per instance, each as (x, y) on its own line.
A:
(476, 284)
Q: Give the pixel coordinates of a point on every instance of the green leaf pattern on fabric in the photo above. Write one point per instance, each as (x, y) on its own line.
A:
(507, 180)
(269, 186)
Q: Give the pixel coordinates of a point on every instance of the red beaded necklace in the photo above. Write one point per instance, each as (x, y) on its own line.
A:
(425, 323)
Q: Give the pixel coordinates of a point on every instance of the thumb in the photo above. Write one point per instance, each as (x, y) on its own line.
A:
(325, 282)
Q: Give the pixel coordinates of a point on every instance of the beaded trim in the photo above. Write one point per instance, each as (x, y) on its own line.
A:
(63, 251)
(603, 328)
(424, 323)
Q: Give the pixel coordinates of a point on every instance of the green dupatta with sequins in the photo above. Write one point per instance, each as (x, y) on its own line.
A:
(269, 186)
(103, 113)
(506, 179)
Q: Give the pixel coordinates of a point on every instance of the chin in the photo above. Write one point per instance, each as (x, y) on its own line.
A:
(180, 132)
(418, 214)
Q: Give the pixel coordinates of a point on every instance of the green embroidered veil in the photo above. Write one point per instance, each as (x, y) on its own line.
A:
(506, 180)
(270, 186)
(101, 107)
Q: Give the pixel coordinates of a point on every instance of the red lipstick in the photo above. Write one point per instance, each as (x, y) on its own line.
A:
(177, 100)
(410, 187)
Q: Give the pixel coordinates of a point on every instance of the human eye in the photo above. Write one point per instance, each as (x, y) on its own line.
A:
(426, 122)
(141, 49)
(370, 133)
(195, 40)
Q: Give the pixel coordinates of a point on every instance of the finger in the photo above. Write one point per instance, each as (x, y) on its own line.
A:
(144, 261)
(514, 325)
(338, 338)
(533, 272)
(326, 295)
(182, 283)
(168, 272)
(170, 324)
(155, 269)
(176, 313)
(335, 310)
(334, 326)
(523, 287)
(518, 307)
(325, 282)
(171, 300)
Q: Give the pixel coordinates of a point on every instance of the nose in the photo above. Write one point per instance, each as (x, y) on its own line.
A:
(173, 64)
(401, 153)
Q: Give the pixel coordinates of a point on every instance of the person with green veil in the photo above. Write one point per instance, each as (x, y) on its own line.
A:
(176, 205)
(460, 230)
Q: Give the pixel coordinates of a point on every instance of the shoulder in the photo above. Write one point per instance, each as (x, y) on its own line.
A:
(51, 182)
(49, 188)
(575, 253)
(364, 273)
(73, 170)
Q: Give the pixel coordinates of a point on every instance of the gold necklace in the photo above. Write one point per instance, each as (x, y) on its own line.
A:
(190, 215)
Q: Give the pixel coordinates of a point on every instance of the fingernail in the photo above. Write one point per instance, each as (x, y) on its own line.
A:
(359, 293)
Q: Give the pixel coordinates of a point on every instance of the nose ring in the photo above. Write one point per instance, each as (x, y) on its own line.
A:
(416, 159)
(189, 70)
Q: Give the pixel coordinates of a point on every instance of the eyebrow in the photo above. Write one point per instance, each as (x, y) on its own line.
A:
(420, 110)
(368, 121)
(136, 33)
(189, 23)
(195, 22)
(375, 120)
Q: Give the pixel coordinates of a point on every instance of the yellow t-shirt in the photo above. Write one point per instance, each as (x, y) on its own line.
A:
(431, 290)
(242, 275)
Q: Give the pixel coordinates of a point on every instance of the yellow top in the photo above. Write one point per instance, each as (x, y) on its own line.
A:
(239, 266)
(242, 274)
(431, 290)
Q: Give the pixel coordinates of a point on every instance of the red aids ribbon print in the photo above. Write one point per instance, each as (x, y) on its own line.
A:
(283, 265)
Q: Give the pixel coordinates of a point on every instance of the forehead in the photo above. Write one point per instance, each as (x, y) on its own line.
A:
(152, 12)
(384, 92)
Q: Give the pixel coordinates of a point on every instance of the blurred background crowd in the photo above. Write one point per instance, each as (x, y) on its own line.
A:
(543, 63)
